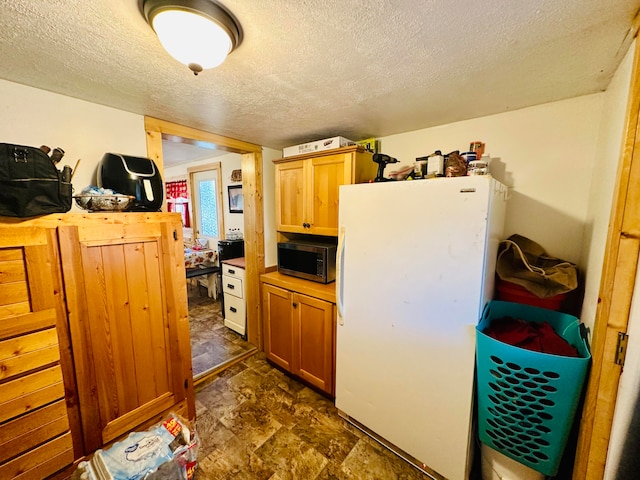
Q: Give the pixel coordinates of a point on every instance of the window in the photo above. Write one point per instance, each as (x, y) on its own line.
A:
(208, 204)
(206, 185)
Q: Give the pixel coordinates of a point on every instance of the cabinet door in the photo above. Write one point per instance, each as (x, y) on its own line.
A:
(35, 438)
(126, 297)
(290, 197)
(326, 174)
(314, 341)
(278, 326)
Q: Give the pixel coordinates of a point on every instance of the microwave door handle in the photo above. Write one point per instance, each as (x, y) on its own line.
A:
(339, 279)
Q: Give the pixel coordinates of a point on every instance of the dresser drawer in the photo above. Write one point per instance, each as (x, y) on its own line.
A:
(232, 271)
(232, 286)
(234, 314)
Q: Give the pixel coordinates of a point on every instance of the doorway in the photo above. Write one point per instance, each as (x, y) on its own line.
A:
(251, 166)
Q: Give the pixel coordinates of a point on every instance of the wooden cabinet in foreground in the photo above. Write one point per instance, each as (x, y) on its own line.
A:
(307, 188)
(299, 329)
(126, 298)
(108, 291)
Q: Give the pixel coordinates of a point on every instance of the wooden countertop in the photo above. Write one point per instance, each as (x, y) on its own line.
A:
(313, 289)
(236, 262)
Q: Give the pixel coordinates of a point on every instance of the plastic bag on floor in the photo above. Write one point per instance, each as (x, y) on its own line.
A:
(167, 451)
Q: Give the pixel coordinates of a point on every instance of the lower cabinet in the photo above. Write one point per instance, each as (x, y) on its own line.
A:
(299, 335)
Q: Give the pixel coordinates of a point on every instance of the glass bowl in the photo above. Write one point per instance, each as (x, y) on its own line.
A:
(104, 203)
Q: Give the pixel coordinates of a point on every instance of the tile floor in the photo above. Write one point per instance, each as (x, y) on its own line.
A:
(212, 344)
(255, 422)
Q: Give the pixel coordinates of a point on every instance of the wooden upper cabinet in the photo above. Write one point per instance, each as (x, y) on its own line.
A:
(290, 195)
(35, 435)
(126, 300)
(307, 188)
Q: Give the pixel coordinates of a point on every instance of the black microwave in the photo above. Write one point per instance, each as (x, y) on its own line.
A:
(308, 260)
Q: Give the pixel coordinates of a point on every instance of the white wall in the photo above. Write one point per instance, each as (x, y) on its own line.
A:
(608, 152)
(83, 130)
(544, 153)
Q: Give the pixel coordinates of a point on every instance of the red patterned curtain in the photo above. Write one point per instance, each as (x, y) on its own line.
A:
(178, 200)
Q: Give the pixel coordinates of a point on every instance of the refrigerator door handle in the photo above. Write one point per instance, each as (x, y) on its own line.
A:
(339, 265)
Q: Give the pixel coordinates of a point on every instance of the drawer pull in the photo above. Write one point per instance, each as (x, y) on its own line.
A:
(233, 309)
(230, 287)
(232, 271)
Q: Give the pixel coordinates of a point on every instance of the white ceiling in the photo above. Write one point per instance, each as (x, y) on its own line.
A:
(310, 69)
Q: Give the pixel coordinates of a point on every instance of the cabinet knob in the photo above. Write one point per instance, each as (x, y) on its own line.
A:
(230, 287)
(295, 305)
(233, 309)
(232, 271)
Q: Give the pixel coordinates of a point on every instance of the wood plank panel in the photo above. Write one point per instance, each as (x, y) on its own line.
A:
(158, 316)
(8, 254)
(40, 284)
(118, 288)
(41, 462)
(30, 322)
(109, 234)
(131, 420)
(11, 293)
(14, 309)
(28, 431)
(79, 319)
(28, 352)
(179, 342)
(141, 327)
(30, 392)
(64, 343)
(12, 271)
(12, 237)
(101, 336)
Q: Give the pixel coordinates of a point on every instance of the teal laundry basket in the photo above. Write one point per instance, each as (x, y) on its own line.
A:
(527, 400)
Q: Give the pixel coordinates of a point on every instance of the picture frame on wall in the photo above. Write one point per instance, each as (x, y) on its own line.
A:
(236, 200)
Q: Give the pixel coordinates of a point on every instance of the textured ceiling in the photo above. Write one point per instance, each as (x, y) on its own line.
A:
(309, 69)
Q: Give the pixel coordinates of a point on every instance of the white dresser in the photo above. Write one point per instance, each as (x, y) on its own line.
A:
(235, 310)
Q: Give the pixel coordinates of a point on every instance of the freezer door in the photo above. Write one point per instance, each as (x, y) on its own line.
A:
(410, 292)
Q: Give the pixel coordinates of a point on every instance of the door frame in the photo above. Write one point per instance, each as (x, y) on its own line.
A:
(616, 293)
(253, 204)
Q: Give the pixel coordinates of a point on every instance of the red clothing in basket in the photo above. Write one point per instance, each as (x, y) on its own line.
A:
(539, 337)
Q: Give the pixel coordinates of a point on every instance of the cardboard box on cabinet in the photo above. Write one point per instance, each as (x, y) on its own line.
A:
(317, 146)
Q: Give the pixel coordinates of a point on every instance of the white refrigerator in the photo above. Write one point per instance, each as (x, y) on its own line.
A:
(415, 267)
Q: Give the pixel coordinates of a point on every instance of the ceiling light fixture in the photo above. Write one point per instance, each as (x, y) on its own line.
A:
(197, 33)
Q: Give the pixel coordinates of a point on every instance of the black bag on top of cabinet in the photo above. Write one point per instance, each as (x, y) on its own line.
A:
(30, 183)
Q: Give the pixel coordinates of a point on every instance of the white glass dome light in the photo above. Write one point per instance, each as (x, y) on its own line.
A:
(197, 33)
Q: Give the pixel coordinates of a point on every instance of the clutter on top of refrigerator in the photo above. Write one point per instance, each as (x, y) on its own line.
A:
(453, 164)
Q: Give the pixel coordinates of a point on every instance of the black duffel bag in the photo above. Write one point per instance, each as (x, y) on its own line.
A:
(30, 184)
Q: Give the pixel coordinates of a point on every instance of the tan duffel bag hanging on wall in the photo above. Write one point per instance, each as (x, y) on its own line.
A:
(523, 262)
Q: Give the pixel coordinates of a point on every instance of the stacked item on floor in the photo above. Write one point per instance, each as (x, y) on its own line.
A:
(167, 451)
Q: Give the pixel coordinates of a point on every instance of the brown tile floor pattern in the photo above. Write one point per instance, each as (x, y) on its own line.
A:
(211, 342)
(255, 422)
